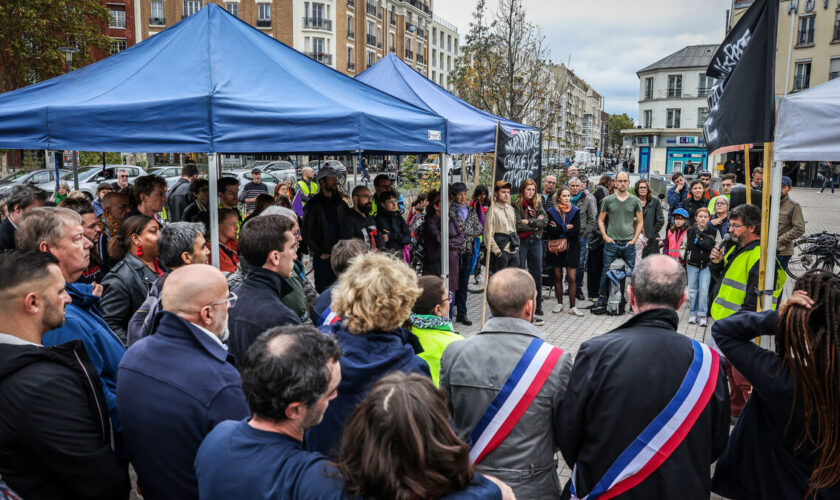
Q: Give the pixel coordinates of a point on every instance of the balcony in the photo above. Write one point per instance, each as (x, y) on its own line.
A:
(805, 38)
(371, 40)
(317, 23)
(351, 35)
(321, 57)
(421, 59)
(704, 91)
(422, 34)
(351, 66)
(263, 23)
(351, 3)
(420, 6)
(409, 54)
(157, 21)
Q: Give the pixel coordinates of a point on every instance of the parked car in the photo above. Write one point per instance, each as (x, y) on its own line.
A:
(336, 165)
(91, 177)
(244, 177)
(170, 173)
(44, 178)
(279, 169)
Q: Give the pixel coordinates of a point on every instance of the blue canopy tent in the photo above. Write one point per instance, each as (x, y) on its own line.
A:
(468, 129)
(210, 84)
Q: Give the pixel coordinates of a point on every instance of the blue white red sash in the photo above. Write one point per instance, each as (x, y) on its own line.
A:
(662, 436)
(328, 317)
(514, 398)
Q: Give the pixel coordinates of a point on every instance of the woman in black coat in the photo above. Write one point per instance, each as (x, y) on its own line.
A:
(390, 224)
(695, 200)
(652, 214)
(128, 283)
(432, 240)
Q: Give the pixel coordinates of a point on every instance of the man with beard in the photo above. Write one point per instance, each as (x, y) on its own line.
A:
(289, 375)
(358, 223)
(59, 231)
(56, 442)
(176, 385)
(321, 222)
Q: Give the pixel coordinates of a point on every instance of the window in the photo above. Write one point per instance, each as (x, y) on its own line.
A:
(233, 8)
(117, 45)
(351, 61)
(434, 76)
(673, 120)
(834, 68)
(649, 87)
(351, 32)
(434, 61)
(191, 7)
(434, 36)
(802, 80)
(702, 114)
(116, 18)
(157, 13)
(448, 63)
(369, 59)
(704, 85)
(806, 30)
(264, 15)
(318, 46)
(674, 85)
(836, 36)
(648, 118)
(449, 43)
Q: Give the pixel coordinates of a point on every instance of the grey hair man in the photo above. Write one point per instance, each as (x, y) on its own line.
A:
(525, 458)
(21, 199)
(179, 244)
(645, 359)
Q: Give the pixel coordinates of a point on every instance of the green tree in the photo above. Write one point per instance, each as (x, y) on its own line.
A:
(87, 158)
(617, 124)
(33, 30)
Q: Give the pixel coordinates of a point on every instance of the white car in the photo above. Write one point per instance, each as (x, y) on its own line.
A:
(244, 177)
(91, 177)
(171, 174)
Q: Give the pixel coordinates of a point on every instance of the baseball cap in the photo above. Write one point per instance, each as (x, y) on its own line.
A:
(681, 212)
(459, 187)
(786, 181)
(325, 171)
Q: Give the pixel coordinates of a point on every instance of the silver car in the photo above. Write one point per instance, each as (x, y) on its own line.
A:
(91, 177)
(244, 177)
(44, 178)
(171, 174)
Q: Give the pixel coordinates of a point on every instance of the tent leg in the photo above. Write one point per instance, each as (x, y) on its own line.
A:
(444, 220)
(213, 175)
(772, 229)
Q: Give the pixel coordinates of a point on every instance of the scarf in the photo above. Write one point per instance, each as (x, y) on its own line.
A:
(431, 322)
(564, 208)
(576, 197)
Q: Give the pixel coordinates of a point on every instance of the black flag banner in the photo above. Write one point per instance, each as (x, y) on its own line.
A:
(518, 157)
(742, 108)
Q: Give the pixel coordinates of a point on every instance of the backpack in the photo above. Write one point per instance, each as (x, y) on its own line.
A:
(617, 297)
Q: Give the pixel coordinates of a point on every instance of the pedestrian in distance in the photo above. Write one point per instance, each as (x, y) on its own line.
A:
(828, 177)
(253, 189)
(607, 437)
(531, 220)
(791, 223)
(700, 239)
(564, 225)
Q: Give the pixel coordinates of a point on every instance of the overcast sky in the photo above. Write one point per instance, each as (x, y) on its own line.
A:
(610, 40)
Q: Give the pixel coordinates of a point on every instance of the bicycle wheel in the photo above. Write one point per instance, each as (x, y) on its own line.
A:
(800, 264)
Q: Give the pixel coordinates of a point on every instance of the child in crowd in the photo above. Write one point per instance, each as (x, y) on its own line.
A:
(675, 241)
(700, 240)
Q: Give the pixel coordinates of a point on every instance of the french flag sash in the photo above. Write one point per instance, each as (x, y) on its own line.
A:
(514, 398)
(662, 436)
(328, 317)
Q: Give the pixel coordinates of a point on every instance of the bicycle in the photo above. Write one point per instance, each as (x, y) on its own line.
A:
(815, 251)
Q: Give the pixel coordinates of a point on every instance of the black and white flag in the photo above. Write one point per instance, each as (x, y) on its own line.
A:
(519, 157)
(742, 103)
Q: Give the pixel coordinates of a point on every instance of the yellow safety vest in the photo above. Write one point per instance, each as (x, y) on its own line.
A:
(733, 288)
(308, 188)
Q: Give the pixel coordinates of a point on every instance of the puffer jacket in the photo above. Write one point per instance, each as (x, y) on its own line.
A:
(126, 287)
(471, 375)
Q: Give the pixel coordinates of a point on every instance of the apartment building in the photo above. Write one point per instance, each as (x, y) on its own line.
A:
(348, 35)
(121, 26)
(579, 120)
(444, 51)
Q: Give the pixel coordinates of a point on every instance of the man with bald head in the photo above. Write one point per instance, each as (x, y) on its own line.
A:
(623, 380)
(474, 371)
(175, 385)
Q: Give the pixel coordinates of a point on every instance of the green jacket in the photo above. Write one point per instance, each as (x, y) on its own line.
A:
(434, 334)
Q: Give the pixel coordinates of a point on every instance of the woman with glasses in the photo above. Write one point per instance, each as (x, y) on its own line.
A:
(430, 322)
(720, 217)
(654, 220)
(128, 283)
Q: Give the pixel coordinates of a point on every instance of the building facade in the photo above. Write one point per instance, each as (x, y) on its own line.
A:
(579, 120)
(444, 50)
(673, 106)
(121, 26)
(348, 35)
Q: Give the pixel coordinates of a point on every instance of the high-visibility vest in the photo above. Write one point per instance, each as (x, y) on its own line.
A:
(733, 288)
(308, 188)
(675, 239)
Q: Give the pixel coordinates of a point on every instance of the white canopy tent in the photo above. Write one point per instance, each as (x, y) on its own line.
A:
(808, 125)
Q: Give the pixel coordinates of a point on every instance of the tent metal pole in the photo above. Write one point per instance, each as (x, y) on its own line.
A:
(773, 230)
(444, 221)
(213, 175)
(59, 159)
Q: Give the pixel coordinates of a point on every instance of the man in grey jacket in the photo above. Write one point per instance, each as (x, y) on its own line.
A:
(473, 372)
(588, 224)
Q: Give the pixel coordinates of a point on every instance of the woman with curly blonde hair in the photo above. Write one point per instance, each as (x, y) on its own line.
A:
(373, 298)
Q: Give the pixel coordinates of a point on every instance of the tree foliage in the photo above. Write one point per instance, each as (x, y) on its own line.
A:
(504, 67)
(87, 158)
(617, 124)
(33, 30)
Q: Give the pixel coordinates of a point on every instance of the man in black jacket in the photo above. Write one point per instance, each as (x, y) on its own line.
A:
(358, 223)
(55, 432)
(321, 222)
(622, 380)
(269, 246)
(21, 199)
(179, 196)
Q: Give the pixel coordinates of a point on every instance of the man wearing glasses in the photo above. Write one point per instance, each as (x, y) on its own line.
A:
(122, 181)
(174, 386)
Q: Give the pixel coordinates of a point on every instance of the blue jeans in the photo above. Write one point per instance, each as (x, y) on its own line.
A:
(828, 181)
(698, 290)
(582, 266)
(530, 259)
(613, 251)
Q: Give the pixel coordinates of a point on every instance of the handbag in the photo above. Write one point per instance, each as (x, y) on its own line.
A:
(557, 245)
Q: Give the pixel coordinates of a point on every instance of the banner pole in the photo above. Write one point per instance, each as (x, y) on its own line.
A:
(765, 227)
(747, 173)
(490, 232)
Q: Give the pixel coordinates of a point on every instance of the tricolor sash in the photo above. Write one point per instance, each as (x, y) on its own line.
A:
(516, 395)
(662, 436)
(328, 317)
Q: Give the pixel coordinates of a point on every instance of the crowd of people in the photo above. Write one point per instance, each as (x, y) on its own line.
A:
(120, 345)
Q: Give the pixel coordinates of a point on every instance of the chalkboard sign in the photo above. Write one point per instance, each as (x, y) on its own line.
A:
(519, 157)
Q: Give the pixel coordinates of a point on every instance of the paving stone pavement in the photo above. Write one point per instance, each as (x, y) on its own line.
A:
(822, 213)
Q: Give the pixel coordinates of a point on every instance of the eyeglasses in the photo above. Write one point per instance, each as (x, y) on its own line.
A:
(735, 226)
(449, 298)
(231, 298)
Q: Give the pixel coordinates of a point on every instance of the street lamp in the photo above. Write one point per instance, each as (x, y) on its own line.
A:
(68, 54)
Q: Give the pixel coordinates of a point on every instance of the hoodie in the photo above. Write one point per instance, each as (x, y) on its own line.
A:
(54, 433)
(83, 321)
(365, 359)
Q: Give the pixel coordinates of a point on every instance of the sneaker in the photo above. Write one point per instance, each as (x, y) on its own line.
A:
(819, 192)
(575, 312)
(538, 321)
(703, 321)
(539, 312)
(692, 320)
(558, 308)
